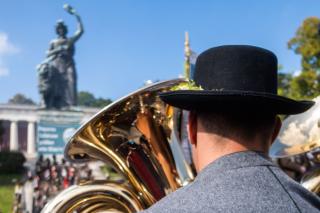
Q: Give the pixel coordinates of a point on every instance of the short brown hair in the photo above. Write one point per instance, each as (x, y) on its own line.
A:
(245, 124)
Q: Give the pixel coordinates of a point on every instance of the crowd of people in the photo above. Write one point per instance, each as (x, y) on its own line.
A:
(46, 180)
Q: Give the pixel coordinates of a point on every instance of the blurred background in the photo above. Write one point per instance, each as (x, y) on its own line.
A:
(124, 46)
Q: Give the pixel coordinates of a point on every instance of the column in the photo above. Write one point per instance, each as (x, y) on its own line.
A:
(31, 139)
(14, 145)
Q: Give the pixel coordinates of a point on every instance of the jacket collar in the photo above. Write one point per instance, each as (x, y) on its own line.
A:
(235, 161)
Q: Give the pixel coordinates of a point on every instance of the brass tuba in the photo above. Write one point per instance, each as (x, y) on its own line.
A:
(299, 135)
(141, 137)
(311, 181)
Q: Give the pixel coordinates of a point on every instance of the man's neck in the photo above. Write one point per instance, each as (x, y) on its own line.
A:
(213, 147)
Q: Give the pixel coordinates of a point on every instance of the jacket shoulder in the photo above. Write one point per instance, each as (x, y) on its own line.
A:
(248, 189)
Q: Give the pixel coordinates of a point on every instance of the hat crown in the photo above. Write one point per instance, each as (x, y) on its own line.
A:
(237, 67)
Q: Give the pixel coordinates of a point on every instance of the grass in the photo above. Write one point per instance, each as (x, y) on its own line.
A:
(7, 191)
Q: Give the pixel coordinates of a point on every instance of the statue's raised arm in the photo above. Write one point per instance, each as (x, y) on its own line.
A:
(80, 29)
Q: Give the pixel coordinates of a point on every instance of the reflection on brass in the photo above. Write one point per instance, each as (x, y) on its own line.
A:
(300, 148)
(299, 133)
(95, 197)
(317, 157)
(311, 181)
(136, 136)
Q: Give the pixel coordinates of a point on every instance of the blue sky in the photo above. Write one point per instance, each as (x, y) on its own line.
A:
(128, 42)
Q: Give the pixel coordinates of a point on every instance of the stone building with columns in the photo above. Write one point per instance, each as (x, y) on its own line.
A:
(19, 125)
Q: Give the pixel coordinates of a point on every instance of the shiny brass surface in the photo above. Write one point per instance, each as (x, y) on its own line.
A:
(299, 134)
(95, 197)
(298, 149)
(311, 181)
(139, 137)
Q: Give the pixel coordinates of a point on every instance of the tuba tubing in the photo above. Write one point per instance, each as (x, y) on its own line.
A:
(93, 197)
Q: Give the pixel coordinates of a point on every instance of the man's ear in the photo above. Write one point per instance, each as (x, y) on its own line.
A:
(276, 129)
(192, 128)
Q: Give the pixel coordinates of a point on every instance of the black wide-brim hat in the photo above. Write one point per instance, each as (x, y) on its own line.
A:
(236, 77)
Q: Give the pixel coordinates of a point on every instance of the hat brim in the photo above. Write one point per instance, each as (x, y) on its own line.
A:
(234, 100)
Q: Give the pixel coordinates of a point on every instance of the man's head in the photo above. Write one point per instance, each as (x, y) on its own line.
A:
(233, 101)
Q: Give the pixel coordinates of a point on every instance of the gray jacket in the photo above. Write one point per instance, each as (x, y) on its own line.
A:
(240, 182)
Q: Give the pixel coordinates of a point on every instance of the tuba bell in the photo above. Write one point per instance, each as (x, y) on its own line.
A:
(300, 136)
(140, 137)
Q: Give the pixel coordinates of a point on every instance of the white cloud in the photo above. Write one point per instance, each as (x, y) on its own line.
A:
(6, 48)
(4, 71)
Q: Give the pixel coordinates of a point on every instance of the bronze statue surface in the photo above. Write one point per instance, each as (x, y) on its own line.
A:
(57, 74)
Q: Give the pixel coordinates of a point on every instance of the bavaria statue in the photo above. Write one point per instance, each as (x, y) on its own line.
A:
(57, 73)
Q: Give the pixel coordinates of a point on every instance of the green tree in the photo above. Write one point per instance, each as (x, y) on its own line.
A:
(305, 85)
(284, 84)
(306, 43)
(101, 102)
(88, 99)
(21, 99)
(85, 98)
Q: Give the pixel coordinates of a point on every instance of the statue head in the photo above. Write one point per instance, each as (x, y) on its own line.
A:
(61, 28)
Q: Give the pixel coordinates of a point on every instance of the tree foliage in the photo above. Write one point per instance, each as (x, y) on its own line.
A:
(88, 99)
(306, 43)
(284, 84)
(305, 85)
(21, 99)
